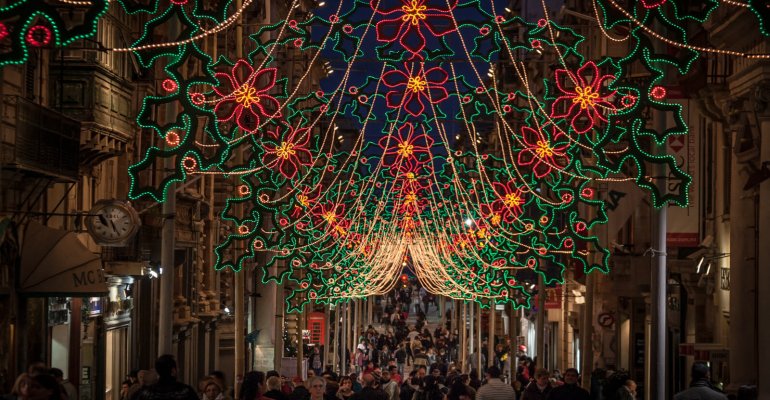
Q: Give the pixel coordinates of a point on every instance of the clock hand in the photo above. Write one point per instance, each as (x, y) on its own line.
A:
(103, 219)
(114, 228)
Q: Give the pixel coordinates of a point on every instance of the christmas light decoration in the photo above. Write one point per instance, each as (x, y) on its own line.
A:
(440, 144)
(37, 24)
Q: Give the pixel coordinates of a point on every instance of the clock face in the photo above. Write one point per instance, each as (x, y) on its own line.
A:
(111, 223)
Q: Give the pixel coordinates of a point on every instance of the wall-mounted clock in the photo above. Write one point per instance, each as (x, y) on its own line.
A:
(112, 222)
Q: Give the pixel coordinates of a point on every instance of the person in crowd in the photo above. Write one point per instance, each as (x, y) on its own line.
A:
(495, 389)
(71, 392)
(317, 387)
(43, 386)
(389, 385)
(700, 387)
(273, 386)
(20, 390)
(395, 376)
(253, 386)
(371, 389)
(627, 391)
(145, 378)
(540, 388)
(125, 386)
(212, 391)
(137, 385)
(345, 391)
(316, 361)
(167, 386)
(459, 391)
(300, 392)
(570, 389)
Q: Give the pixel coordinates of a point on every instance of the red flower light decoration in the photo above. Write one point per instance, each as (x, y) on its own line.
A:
(404, 148)
(583, 104)
(290, 153)
(510, 202)
(417, 85)
(543, 154)
(244, 96)
(408, 22)
(332, 215)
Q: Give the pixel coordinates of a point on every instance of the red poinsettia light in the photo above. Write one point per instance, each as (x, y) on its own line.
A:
(289, 154)
(244, 96)
(404, 148)
(414, 87)
(410, 202)
(305, 200)
(410, 20)
(509, 204)
(584, 99)
(542, 153)
(333, 216)
(408, 180)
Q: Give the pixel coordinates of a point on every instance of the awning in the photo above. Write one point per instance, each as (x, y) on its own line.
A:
(56, 263)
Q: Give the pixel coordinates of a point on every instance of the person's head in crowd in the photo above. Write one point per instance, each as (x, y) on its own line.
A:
(37, 368)
(251, 387)
(700, 371)
(57, 373)
(571, 376)
(212, 389)
(493, 372)
(147, 377)
(385, 376)
(44, 387)
(133, 376)
(435, 371)
(346, 384)
(21, 386)
(123, 387)
(316, 386)
(458, 391)
(273, 383)
(272, 373)
(297, 381)
(310, 374)
(421, 372)
(542, 376)
(165, 366)
(368, 380)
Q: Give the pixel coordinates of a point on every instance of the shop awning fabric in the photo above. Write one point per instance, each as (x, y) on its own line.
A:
(56, 263)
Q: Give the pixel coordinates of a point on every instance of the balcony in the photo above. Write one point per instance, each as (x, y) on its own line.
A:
(43, 142)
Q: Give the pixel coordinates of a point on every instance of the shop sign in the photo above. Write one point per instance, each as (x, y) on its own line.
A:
(605, 320)
(724, 278)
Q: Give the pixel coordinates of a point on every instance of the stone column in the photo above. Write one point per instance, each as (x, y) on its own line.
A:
(763, 272)
(743, 322)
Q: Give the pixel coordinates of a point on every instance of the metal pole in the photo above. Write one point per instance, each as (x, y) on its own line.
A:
(168, 243)
(586, 333)
(471, 338)
(540, 328)
(658, 297)
(463, 331)
(238, 297)
(491, 340)
(658, 270)
(478, 342)
(336, 339)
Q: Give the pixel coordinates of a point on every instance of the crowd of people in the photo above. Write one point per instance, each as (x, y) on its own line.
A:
(394, 362)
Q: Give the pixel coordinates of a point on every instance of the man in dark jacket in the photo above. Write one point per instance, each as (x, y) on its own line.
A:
(540, 388)
(700, 388)
(570, 389)
(167, 387)
(371, 390)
